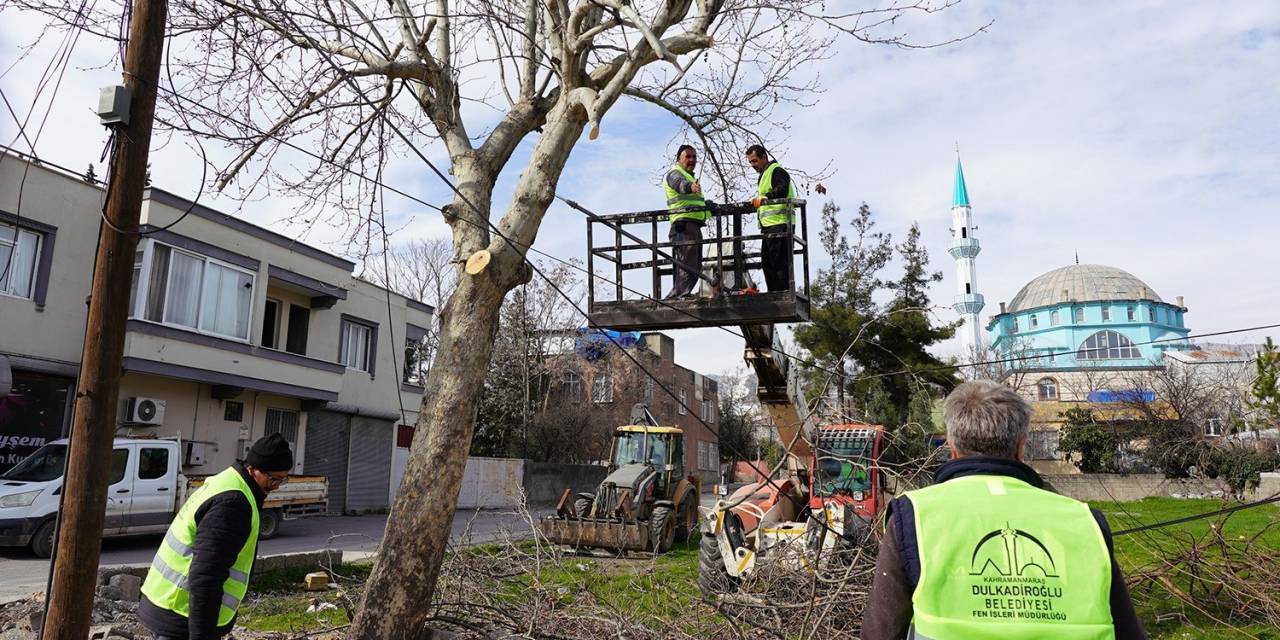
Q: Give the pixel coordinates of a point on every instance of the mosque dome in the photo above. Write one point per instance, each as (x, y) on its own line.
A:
(1081, 283)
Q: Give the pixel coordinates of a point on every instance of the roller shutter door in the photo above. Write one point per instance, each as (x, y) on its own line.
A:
(369, 475)
(328, 438)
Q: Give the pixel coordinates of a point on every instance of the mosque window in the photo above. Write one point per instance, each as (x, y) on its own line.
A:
(1152, 314)
(1053, 318)
(1107, 345)
(1133, 314)
(1015, 325)
(964, 232)
(1106, 314)
(1047, 389)
(1079, 315)
(1034, 323)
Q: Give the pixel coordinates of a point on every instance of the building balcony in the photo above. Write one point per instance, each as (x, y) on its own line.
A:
(964, 248)
(161, 350)
(968, 303)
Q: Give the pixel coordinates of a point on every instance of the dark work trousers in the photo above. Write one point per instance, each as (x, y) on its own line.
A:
(689, 253)
(776, 257)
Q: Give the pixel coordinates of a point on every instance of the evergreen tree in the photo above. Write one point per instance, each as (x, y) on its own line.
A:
(851, 332)
(1265, 392)
(843, 297)
(920, 411)
(91, 175)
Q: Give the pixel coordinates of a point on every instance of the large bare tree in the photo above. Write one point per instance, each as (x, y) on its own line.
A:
(312, 96)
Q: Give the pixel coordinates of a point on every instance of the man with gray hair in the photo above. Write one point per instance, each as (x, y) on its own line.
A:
(987, 551)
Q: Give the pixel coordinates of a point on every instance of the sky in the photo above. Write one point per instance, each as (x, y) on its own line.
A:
(1142, 135)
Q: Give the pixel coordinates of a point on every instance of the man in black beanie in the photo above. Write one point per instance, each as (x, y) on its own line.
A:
(201, 570)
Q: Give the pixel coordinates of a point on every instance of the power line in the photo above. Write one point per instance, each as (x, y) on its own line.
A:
(1200, 516)
(529, 248)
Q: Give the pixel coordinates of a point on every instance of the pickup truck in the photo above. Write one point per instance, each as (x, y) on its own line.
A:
(146, 488)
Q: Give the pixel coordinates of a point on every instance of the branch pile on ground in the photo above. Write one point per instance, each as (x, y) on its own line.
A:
(1231, 579)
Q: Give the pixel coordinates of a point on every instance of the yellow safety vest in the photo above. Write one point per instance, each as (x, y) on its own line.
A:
(166, 583)
(772, 215)
(1001, 559)
(677, 200)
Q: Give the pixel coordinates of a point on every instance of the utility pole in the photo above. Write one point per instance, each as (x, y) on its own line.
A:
(89, 462)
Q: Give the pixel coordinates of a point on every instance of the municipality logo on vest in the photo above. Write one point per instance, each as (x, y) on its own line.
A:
(1012, 552)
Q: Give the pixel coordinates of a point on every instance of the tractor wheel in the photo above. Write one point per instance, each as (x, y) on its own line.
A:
(582, 507)
(662, 527)
(688, 522)
(713, 579)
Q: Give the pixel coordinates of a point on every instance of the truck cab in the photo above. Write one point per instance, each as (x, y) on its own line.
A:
(141, 493)
(145, 489)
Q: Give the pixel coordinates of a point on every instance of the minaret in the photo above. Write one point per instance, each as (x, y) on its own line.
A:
(965, 248)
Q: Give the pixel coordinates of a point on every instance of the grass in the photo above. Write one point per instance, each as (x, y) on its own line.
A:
(276, 601)
(665, 591)
(1165, 617)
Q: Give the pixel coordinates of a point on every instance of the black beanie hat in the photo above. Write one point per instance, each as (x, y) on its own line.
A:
(270, 453)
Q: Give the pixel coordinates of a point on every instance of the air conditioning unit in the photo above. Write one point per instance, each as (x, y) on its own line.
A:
(144, 411)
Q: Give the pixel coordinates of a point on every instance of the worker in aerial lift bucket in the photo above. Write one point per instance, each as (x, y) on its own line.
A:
(988, 551)
(774, 219)
(684, 197)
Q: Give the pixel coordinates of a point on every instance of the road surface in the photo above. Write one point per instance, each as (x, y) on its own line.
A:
(22, 573)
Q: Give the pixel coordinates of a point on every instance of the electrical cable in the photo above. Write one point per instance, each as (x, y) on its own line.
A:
(579, 268)
(800, 507)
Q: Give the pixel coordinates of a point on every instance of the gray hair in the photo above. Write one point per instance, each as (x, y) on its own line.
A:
(986, 418)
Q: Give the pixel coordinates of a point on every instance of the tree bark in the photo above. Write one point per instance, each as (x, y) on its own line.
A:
(409, 558)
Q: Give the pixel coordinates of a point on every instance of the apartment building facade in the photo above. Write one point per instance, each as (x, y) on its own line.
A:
(607, 385)
(234, 332)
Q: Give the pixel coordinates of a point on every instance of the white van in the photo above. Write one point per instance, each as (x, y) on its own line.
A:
(145, 490)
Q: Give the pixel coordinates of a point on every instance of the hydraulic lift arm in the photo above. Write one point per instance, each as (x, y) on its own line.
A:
(778, 392)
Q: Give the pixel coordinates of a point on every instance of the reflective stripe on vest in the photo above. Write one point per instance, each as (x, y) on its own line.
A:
(677, 200)
(771, 215)
(1027, 564)
(167, 580)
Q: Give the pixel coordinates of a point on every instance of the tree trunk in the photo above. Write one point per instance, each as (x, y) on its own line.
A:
(398, 598)
(409, 558)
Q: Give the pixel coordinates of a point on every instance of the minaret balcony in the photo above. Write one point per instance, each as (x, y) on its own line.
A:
(969, 303)
(964, 248)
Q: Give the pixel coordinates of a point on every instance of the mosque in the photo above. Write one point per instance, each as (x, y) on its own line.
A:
(1075, 334)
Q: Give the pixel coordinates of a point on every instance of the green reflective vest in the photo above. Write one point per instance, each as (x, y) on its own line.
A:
(166, 583)
(677, 200)
(1000, 558)
(772, 215)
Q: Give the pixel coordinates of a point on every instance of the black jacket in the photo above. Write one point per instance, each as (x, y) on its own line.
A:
(888, 612)
(223, 524)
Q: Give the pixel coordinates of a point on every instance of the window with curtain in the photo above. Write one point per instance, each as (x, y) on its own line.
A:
(356, 350)
(189, 290)
(19, 250)
(573, 387)
(684, 403)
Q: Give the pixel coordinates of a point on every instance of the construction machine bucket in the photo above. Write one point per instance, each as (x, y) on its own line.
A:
(598, 534)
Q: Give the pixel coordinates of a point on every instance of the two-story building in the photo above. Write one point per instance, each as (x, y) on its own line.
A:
(606, 385)
(235, 331)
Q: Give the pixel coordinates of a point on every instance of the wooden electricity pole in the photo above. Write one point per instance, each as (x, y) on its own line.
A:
(75, 570)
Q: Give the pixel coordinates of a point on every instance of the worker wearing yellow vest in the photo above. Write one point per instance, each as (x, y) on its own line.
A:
(201, 571)
(775, 219)
(685, 201)
(987, 551)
